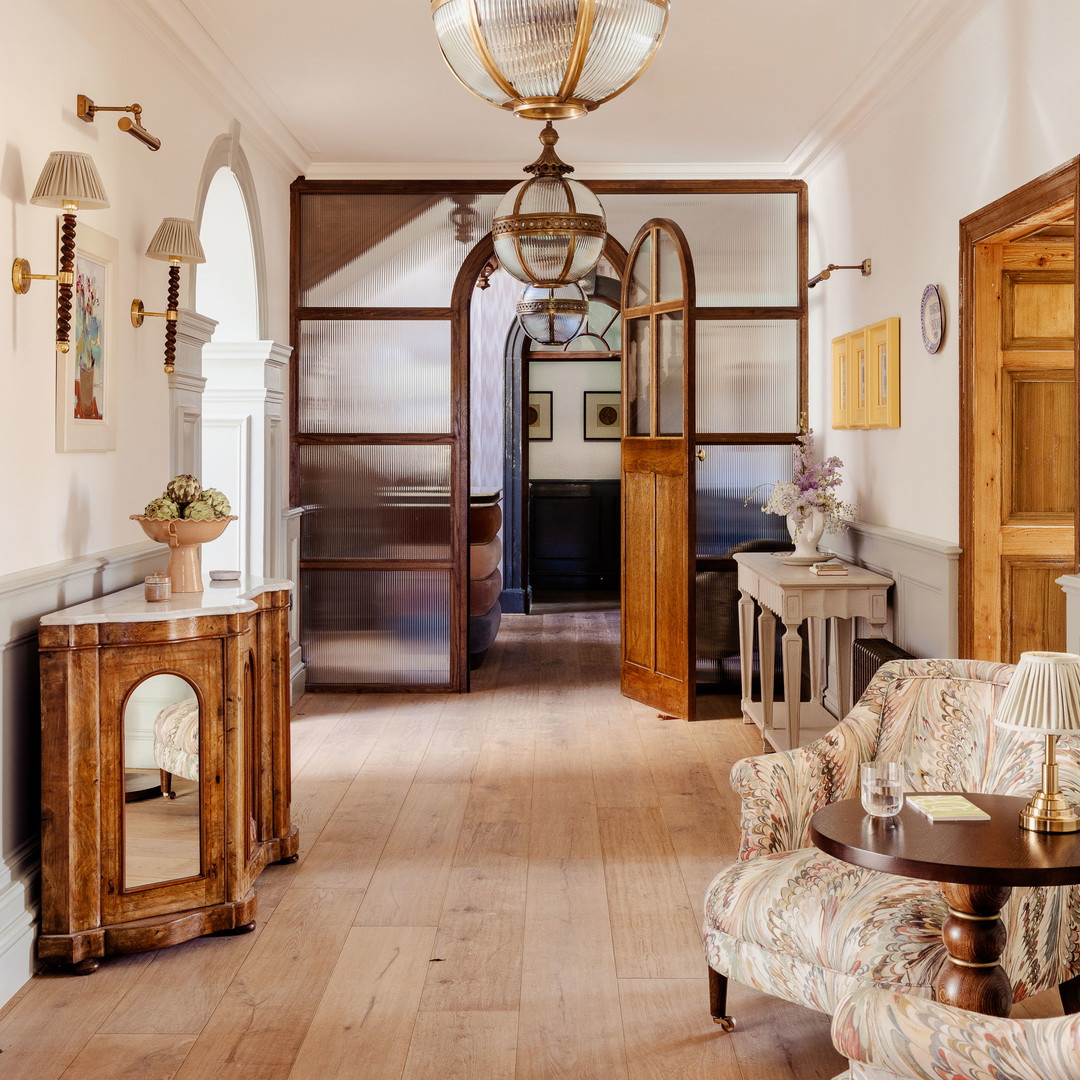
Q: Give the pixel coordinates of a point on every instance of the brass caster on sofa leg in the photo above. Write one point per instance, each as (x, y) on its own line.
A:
(725, 1022)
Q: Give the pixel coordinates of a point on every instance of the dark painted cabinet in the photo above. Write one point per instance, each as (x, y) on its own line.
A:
(574, 534)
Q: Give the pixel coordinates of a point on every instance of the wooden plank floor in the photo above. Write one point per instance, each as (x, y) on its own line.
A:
(504, 885)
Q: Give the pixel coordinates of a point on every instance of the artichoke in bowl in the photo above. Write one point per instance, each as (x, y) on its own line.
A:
(217, 502)
(184, 488)
(162, 508)
(200, 511)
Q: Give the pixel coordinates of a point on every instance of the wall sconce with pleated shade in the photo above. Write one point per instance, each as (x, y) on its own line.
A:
(175, 242)
(1044, 696)
(70, 181)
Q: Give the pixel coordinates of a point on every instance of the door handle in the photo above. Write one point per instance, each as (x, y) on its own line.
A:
(700, 455)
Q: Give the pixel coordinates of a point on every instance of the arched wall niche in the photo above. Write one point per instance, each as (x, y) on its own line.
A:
(227, 153)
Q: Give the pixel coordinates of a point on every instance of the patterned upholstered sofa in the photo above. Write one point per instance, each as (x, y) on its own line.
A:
(892, 1036)
(791, 921)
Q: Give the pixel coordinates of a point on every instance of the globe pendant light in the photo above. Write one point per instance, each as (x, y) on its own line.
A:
(549, 59)
(549, 230)
(553, 315)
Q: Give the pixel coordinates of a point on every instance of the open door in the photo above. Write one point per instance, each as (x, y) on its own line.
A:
(658, 515)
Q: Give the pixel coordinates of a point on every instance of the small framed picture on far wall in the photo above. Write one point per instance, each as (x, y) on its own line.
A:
(603, 414)
(539, 415)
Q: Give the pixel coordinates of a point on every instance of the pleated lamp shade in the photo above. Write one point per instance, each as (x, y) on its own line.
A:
(1044, 695)
(176, 238)
(69, 177)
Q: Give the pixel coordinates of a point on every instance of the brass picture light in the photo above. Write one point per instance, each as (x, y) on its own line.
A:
(85, 109)
(825, 274)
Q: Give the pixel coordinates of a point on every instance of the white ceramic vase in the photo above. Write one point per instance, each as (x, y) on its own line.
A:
(805, 534)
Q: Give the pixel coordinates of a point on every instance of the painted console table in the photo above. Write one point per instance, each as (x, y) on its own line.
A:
(793, 594)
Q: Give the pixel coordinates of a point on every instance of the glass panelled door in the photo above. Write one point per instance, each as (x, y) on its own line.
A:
(657, 664)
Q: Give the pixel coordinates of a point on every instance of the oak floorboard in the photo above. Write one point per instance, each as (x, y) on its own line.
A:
(670, 1034)
(463, 1046)
(411, 878)
(258, 1027)
(364, 1022)
(570, 1022)
(59, 1014)
(130, 1057)
(775, 1039)
(178, 991)
(481, 927)
(655, 931)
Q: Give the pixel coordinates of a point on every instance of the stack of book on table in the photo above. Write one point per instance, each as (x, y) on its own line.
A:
(829, 568)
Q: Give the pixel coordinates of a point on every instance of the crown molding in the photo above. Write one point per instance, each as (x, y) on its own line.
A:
(584, 171)
(179, 36)
(926, 29)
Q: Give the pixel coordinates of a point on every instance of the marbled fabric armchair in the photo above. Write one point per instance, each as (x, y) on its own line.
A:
(176, 743)
(791, 921)
(893, 1036)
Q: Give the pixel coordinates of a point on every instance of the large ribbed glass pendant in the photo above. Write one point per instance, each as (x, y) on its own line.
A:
(549, 230)
(549, 59)
(553, 315)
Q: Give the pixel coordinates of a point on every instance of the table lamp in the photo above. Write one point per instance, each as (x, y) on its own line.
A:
(1044, 695)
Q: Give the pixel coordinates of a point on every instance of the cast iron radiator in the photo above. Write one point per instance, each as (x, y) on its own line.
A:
(867, 655)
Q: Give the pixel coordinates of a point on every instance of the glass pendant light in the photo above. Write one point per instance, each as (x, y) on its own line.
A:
(553, 315)
(549, 59)
(549, 230)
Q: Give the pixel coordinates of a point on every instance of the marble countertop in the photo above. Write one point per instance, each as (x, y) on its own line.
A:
(130, 605)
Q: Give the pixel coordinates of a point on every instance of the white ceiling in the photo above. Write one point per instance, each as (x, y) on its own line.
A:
(359, 87)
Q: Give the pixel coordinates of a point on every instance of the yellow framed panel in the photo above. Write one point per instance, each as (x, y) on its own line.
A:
(839, 382)
(883, 374)
(857, 388)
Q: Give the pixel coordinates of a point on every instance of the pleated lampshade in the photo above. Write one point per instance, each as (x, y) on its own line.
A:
(176, 238)
(70, 177)
(1044, 694)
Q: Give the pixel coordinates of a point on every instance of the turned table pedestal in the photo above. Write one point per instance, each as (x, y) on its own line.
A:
(978, 863)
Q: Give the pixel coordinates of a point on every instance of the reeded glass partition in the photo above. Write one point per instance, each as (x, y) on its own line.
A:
(726, 479)
(367, 377)
(747, 375)
(378, 627)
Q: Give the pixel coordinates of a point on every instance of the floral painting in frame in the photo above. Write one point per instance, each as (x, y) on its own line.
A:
(84, 410)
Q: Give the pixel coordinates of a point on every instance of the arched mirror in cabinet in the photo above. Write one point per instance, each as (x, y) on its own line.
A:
(161, 750)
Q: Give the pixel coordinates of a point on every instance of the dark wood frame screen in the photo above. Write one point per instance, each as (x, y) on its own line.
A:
(416, 194)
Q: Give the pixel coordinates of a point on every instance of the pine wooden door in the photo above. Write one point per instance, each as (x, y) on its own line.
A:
(657, 478)
(1025, 456)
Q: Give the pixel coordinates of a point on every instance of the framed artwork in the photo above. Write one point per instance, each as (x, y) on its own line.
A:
(603, 414)
(840, 417)
(85, 413)
(856, 379)
(883, 374)
(539, 415)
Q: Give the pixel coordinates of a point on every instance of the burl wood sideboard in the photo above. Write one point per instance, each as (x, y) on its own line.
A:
(188, 696)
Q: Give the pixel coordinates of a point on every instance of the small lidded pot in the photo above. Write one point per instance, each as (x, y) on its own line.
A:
(157, 587)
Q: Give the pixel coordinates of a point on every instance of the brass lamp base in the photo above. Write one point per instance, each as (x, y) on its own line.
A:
(1049, 813)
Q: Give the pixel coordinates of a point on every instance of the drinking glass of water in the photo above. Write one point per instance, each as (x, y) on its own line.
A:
(882, 787)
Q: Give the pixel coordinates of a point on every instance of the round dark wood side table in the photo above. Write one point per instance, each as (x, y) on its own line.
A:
(977, 863)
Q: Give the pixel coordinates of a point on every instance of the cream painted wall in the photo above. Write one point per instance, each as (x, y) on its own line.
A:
(986, 113)
(74, 504)
(67, 533)
(568, 456)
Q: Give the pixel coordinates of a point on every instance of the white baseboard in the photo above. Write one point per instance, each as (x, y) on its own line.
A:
(19, 887)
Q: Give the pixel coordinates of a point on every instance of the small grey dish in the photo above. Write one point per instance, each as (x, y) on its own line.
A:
(224, 575)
